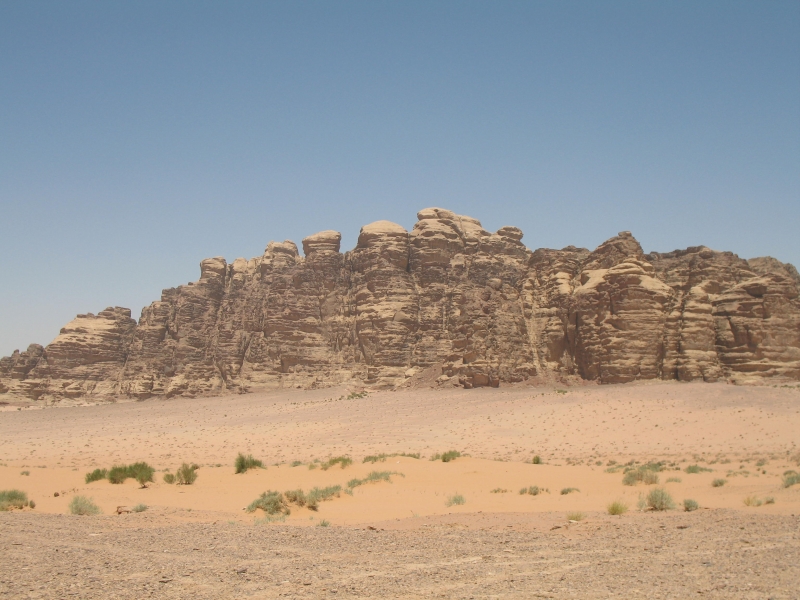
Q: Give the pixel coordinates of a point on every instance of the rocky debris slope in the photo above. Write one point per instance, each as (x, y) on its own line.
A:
(446, 295)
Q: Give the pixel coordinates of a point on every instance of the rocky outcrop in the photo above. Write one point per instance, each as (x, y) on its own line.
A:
(479, 306)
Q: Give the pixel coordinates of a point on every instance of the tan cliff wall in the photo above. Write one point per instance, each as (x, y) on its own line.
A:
(448, 294)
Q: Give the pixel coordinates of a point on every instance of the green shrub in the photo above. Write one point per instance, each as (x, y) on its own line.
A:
(11, 499)
(719, 482)
(575, 516)
(186, 474)
(536, 460)
(169, 478)
(343, 461)
(790, 478)
(96, 475)
(618, 507)
(324, 523)
(689, 505)
(533, 490)
(382, 457)
(696, 469)
(81, 505)
(141, 472)
(456, 499)
(674, 480)
(140, 508)
(24, 472)
(450, 455)
(296, 463)
(244, 463)
(32, 504)
(317, 495)
(118, 474)
(272, 503)
(569, 490)
(502, 491)
(648, 474)
(659, 499)
(373, 477)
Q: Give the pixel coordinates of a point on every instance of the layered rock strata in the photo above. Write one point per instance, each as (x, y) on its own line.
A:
(448, 294)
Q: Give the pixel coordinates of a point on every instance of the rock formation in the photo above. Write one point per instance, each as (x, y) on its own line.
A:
(447, 295)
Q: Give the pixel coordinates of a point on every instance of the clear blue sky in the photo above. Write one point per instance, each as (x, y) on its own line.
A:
(137, 138)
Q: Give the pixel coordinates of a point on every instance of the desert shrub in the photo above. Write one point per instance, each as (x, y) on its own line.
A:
(118, 474)
(10, 499)
(569, 490)
(674, 480)
(767, 500)
(244, 463)
(373, 477)
(296, 463)
(752, 501)
(456, 499)
(696, 469)
(575, 516)
(382, 457)
(186, 474)
(139, 508)
(24, 472)
(647, 474)
(659, 499)
(790, 478)
(32, 504)
(446, 456)
(689, 505)
(500, 491)
(141, 472)
(356, 395)
(536, 460)
(343, 461)
(169, 478)
(81, 505)
(272, 503)
(96, 475)
(317, 495)
(719, 482)
(533, 490)
(324, 523)
(295, 497)
(618, 507)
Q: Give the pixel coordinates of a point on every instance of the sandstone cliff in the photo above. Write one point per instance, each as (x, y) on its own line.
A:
(446, 295)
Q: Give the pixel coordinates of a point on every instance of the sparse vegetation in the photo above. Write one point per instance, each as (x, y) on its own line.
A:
(575, 516)
(11, 499)
(693, 469)
(373, 477)
(186, 474)
(296, 463)
(499, 491)
(324, 523)
(618, 507)
(272, 503)
(790, 478)
(169, 478)
(719, 482)
(647, 474)
(32, 504)
(569, 490)
(752, 501)
(767, 500)
(674, 480)
(343, 461)
(455, 499)
(446, 456)
(24, 472)
(659, 499)
(536, 460)
(690, 505)
(533, 490)
(142, 473)
(96, 475)
(81, 505)
(139, 508)
(244, 463)
(382, 457)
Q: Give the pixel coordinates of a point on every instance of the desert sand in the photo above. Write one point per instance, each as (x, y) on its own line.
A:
(400, 537)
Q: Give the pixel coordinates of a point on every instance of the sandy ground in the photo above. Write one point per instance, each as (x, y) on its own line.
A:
(745, 435)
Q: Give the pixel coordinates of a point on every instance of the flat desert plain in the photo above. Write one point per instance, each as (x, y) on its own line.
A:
(424, 528)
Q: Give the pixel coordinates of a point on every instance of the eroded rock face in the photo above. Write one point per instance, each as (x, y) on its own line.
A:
(448, 294)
